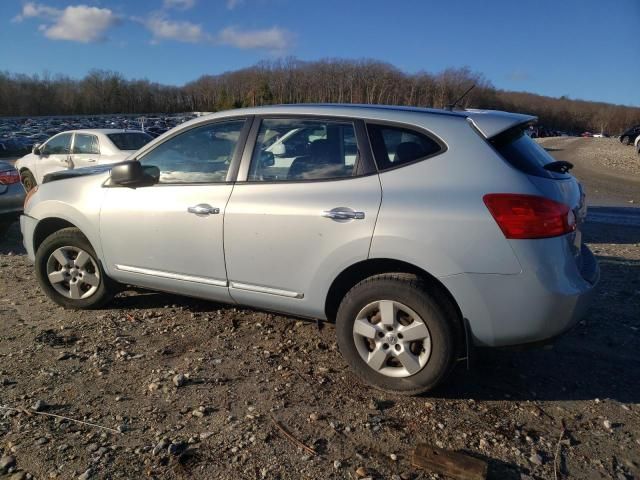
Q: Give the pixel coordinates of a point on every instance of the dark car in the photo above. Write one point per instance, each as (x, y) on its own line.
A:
(11, 195)
(628, 136)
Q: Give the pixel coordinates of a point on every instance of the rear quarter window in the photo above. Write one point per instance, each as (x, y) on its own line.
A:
(525, 154)
(396, 146)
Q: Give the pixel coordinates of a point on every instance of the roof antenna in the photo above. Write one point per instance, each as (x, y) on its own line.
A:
(451, 106)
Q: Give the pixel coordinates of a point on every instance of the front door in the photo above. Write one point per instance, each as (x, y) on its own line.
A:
(54, 155)
(85, 151)
(294, 225)
(169, 236)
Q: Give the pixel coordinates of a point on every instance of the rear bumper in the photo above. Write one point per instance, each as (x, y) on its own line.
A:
(28, 227)
(535, 305)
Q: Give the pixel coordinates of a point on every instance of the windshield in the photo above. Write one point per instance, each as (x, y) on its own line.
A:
(130, 140)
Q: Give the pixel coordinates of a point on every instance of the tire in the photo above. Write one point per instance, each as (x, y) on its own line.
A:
(410, 296)
(28, 180)
(91, 287)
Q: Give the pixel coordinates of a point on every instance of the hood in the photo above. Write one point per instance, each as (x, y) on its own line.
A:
(76, 172)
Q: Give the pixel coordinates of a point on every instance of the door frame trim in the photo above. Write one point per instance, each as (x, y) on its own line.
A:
(172, 276)
(267, 290)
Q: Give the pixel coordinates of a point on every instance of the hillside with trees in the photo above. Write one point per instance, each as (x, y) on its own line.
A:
(295, 81)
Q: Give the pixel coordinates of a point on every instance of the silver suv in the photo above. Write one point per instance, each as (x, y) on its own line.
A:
(421, 232)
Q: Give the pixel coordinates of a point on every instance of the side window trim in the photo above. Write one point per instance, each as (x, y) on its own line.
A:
(235, 159)
(411, 128)
(364, 164)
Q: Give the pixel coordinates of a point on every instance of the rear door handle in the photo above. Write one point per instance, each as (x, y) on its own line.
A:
(203, 209)
(342, 213)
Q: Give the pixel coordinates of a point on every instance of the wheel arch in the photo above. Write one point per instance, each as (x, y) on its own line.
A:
(357, 272)
(49, 226)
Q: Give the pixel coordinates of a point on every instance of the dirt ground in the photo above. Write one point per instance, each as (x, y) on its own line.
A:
(192, 389)
(609, 171)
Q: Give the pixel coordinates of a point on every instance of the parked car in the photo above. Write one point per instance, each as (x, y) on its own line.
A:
(475, 242)
(11, 195)
(76, 149)
(587, 134)
(628, 136)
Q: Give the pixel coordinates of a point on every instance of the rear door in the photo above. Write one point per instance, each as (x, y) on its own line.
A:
(291, 227)
(85, 150)
(54, 155)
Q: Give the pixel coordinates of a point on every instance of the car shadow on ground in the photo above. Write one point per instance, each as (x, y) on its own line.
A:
(596, 359)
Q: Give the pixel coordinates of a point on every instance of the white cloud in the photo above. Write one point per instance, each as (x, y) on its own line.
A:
(79, 23)
(182, 31)
(179, 4)
(33, 10)
(231, 4)
(82, 24)
(273, 38)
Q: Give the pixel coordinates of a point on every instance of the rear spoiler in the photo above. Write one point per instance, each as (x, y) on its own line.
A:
(492, 122)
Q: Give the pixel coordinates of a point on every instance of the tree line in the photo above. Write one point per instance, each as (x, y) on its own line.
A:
(294, 81)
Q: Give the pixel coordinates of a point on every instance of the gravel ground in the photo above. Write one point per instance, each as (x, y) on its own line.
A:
(191, 389)
(609, 170)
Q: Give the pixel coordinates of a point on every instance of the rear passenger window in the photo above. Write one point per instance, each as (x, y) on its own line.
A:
(393, 146)
(301, 149)
(86, 144)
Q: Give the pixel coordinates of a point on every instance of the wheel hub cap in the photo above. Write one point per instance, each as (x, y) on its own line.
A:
(73, 273)
(392, 338)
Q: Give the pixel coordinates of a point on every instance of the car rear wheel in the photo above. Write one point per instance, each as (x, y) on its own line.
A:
(69, 272)
(395, 335)
(28, 180)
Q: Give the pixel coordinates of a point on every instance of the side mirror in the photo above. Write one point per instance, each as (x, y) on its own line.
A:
(131, 174)
(36, 149)
(266, 159)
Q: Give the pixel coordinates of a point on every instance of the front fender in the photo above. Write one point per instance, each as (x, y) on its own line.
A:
(75, 201)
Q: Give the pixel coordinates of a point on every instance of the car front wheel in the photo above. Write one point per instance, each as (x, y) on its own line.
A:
(395, 335)
(69, 272)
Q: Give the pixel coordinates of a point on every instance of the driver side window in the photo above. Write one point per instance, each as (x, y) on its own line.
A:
(199, 155)
(59, 145)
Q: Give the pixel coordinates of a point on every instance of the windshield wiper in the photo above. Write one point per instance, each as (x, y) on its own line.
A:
(559, 166)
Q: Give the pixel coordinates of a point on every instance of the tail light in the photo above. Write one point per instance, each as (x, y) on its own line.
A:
(8, 177)
(529, 216)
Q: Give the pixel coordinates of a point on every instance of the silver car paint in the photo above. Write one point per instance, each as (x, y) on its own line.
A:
(280, 253)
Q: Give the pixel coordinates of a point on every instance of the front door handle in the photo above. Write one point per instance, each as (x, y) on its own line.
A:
(341, 213)
(203, 209)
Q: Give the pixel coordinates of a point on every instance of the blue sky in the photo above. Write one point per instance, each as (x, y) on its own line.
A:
(586, 49)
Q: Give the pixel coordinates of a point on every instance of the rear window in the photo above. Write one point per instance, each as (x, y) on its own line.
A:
(525, 154)
(130, 140)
